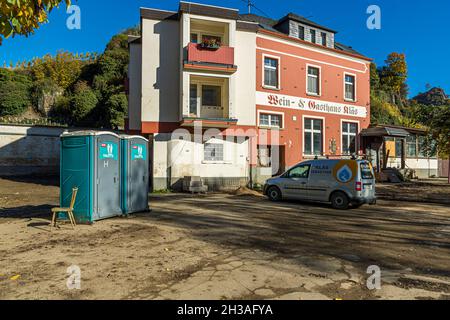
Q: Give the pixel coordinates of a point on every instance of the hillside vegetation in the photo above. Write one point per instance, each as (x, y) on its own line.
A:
(70, 89)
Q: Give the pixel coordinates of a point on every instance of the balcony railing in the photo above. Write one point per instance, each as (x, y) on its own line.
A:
(222, 55)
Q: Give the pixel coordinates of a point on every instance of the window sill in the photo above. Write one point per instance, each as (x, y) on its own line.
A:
(350, 100)
(309, 156)
(270, 128)
(313, 94)
(271, 88)
(216, 162)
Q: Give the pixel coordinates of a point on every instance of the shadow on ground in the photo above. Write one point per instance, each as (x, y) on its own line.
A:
(50, 180)
(392, 237)
(39, 211)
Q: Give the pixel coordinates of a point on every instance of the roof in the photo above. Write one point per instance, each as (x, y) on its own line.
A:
(127, 137)
(343, 47)
(301, 19)
(270, 24)
(390, 131)
(88, 133)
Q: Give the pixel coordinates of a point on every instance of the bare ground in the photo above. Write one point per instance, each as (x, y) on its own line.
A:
(223, 246)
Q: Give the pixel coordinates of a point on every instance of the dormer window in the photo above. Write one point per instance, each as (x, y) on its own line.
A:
(301, 32)
(313, 35)
(324, 38)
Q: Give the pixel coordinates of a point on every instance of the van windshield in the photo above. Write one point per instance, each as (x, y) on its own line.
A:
(366, 171)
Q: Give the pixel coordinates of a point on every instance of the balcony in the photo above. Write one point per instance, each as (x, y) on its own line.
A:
(220, 59)
(208, 102)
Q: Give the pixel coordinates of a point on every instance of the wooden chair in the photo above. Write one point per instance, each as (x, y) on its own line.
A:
(69, 211)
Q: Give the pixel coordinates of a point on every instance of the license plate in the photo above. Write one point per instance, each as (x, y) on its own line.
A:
(368, 187)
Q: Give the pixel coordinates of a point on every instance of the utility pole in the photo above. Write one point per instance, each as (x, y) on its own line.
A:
(249, 6)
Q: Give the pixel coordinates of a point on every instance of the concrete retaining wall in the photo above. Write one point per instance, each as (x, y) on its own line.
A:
(26, 150)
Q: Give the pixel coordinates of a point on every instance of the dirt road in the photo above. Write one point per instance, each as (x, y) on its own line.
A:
(223, 246)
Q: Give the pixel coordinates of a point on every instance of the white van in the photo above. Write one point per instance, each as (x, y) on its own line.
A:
(341, 182)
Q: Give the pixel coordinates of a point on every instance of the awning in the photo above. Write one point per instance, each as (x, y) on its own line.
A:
(385, 132)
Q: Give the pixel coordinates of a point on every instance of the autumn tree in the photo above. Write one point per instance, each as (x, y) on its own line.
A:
(23, 17)
(393, 76)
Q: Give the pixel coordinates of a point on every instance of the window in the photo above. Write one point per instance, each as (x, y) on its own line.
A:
(194, 38)
(213, 152)
(193, 99)
(349, 87)
(212, 40)
(313, 80)
(271, 72)
(366, 170)
(299, 172)
(211, 96)
(270, 120)
(301, 32)
(313, 136)
(421, 146)
(323, 35)
(411, 146)
(349, 133)
(398, 147)
(313, 35)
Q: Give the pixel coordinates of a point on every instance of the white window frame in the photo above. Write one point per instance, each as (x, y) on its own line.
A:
(320, 80)
(354, 86)
(356, 135)
(270, 113)
(264, 56)
(312, 131)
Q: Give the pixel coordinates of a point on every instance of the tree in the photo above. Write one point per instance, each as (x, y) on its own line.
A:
(82, 103)
(393, 76)
(14, 92)
(374, 77)
(63, 69)
(23, 17)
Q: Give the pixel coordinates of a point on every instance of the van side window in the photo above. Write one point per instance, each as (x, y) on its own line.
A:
(300, 172)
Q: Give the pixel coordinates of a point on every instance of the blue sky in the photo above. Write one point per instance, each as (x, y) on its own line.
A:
(417, 28)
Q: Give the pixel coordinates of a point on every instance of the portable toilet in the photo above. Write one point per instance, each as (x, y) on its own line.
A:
(134, 174)
(90, 160)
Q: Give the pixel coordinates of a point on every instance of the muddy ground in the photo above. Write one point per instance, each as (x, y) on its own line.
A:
(222, 246)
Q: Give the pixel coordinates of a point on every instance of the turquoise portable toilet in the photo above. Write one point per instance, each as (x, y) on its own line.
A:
(135, 170)
(90, 160)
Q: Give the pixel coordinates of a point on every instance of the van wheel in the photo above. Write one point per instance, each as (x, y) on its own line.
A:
(274, 194)
(339, 200)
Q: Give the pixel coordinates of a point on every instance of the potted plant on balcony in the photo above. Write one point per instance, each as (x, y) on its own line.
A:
(210, 43)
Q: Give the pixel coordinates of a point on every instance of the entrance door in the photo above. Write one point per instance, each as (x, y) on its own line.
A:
(138, 181)
(295, 181)
(108, 185)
